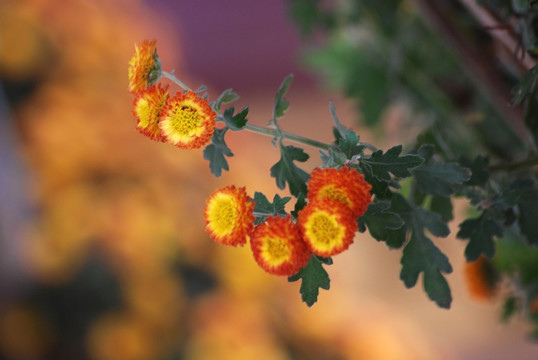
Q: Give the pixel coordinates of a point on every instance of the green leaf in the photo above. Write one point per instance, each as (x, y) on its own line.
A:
(382, 165)
(528, 215)
(216, 153)
(480, 232)
(299, 205)
(442, 206)
(264, 206)
(379, 188)
(333, 158)
(420, 254)
(380, 221)
(235, 122)
(478, 167)
(526, 86)
(313, 277)
(436, 178)
(285, 171)
(281, 104)
(347, 141)
(227, 96)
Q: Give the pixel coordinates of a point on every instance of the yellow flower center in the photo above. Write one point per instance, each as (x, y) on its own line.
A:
(275, 251)
(222, 212)
(333, 193)
(324, 231)
(184, 123)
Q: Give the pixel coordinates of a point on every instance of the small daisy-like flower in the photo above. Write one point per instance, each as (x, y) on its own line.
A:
(481, 278)
(345, 185)
(229, 216)
(278, 247)
(327, 226)
(148, 105)
(144, 66)
(188, 121)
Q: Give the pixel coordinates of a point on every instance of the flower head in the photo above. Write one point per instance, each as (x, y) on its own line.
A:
(148, 105)
(229, 216)
(327, 226)
(345, 185)
(188, 121)
(144, 66)
(481, 278)
(278, 247)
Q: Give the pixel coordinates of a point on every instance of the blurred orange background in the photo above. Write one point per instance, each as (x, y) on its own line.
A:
(103, 253)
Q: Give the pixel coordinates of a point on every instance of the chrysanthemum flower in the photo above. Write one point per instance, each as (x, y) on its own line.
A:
(481, 278)
(345, 185)
(278, 247)
(144, 66)
(148, 105)
(229, 216)
(188, 121)
(327, 226)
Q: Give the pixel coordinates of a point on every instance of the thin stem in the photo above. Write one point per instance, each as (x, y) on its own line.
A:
(287, 135)
(172, 77)
(515, 166)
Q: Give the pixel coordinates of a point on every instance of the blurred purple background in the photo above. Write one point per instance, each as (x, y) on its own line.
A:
(244, 44)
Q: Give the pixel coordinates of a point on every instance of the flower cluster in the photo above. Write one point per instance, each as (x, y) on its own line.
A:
(330, 200)
(282, 245)
(184, 120)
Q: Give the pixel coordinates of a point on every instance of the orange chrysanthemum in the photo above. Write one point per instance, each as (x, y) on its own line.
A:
(144, 66)
(345, 185)
(481, 278)
(278, 247)
(148, 105)
(188, 121)
(327, 226)
(229, 216)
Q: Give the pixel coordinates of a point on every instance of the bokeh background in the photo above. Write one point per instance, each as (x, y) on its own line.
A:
(102, 249)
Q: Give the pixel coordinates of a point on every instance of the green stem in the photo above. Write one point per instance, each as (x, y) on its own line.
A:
(172, 77)
(287, 135)
(514, 166)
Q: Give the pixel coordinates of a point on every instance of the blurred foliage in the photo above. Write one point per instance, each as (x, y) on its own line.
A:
(420, 54)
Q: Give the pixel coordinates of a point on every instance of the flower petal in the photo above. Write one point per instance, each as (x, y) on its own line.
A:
(143, 65)
(327, 226)
(278, 247)
(188, 121)
(345, 185)
(229, 216)
(147, 107)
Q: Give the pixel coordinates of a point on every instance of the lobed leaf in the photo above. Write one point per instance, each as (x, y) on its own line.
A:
(235, 122)
(264, 206)
(380, 221)
(420, 254)
(217, 151)
(313, 277)
(227, 96)
(480, 232)
(382, 165)
(479, 171)
(281, 104)
(285, 171)
(442, 206)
